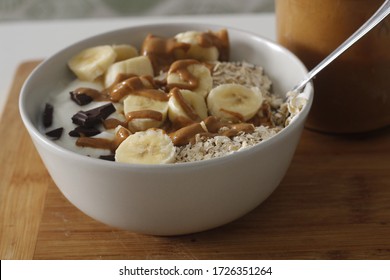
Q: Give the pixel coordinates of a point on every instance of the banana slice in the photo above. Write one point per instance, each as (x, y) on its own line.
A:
(196, 51)
(92, 62)
(138, 66)
(186, 104)
(124, 51)
(234, 102)
(190, 74)
(152, 146)
(144, 112)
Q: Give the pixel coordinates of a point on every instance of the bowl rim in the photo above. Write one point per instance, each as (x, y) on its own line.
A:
(35, 133)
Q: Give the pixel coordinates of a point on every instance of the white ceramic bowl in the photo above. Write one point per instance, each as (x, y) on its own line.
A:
(168, 199)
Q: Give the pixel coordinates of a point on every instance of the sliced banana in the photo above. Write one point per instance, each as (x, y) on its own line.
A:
(138, 66)
(186, 104)
(196, 51)
(190, 74)
(152, 146)
(124, 51)
(234, 102)
(144, 112)
(92, 62)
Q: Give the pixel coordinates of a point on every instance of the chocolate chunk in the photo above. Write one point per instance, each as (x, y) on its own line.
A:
(80, 98)
(94, 116)
(55, 133)
(84, 131)
(108, 157)
(48, 115)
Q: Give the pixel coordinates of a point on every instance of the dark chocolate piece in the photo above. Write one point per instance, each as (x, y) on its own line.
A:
(55, 134)
(80, 98)
(94, 116)
(108, 157)
(48, 115)
(84, 131)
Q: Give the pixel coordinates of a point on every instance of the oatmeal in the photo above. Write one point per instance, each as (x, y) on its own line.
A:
(175, 100)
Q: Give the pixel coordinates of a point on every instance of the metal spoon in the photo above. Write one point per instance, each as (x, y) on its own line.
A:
(379, 15)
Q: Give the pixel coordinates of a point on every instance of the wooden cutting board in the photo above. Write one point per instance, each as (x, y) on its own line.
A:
(334, 203)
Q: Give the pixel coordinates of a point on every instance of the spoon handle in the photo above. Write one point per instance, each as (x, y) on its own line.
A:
(379, 15)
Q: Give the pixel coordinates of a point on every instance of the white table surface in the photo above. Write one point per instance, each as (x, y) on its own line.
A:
(29, 40)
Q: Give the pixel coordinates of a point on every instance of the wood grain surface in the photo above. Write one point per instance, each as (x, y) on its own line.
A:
(334, 203)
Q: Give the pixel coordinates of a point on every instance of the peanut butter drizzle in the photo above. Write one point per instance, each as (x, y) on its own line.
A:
(162, 52)
(181, 68)
(187, 134)
(242, 127)
(93, 93)
(144, 114)
(112, 123)
(236, 129)
(152, 94)
(103, 143)
(121, 134)
(235, 115)
(120, 78)
(184, 135)
(190, 112)
(179, 122)
(219, 39)
(104, 95)
(125, 84)
(97, 143)
(136, 86)
(214, 124)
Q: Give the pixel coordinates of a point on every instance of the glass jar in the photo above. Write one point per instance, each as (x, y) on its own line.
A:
(352, 94)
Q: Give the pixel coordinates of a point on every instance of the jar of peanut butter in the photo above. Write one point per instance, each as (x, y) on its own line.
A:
(352, 94)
